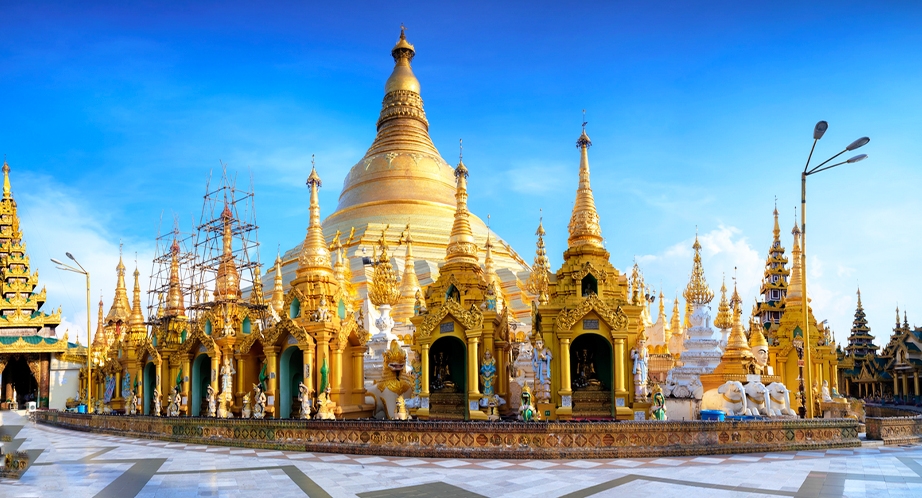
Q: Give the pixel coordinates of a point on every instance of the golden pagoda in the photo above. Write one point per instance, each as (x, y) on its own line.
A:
(774, 284)
(460, 318)
(403, 179)
(783, 358)
(590, 323)
(27, 334)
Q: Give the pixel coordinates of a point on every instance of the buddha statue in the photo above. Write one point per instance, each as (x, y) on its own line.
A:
(759, 346)
(586, 377)
(441, 381)
(155, 399)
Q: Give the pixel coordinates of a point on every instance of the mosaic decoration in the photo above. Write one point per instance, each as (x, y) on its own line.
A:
(508, 440)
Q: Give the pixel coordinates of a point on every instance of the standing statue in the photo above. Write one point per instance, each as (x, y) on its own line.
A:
(541, 362)
(526, 409)
(416, 371)
(211, 407)
(227, 387)
(490, 302)
(488, 374)
(640, 355)
(156, 402)
(259, 408)
(658, 408)
(132, 403)
(304, 396)
(247, 411)
(15, 402)
(323, 310)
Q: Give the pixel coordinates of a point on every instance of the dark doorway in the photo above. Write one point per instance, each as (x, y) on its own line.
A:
(17, 375)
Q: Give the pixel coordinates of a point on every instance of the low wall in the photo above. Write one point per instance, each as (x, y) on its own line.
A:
(542, 440)
(894, 425)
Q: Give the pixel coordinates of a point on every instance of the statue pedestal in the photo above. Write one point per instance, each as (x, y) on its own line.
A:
(642, 410)
(833, 409)
(546, 411)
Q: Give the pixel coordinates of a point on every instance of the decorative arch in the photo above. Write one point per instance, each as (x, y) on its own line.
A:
(470, 319)
(615, 318)
(148, 348)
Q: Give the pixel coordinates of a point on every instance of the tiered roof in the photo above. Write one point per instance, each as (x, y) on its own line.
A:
(20, 309)
(860, 342)
(774, 281)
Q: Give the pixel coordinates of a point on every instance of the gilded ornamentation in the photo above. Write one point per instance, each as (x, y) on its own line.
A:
(615, 318)
(471, 319)
(589, 269)
(697, 291)
(383, 288)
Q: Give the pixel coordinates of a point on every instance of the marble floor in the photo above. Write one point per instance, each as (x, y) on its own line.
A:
(74, 464)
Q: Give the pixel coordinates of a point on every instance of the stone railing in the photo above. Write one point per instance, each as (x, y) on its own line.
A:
(480, 439)
(894, 424)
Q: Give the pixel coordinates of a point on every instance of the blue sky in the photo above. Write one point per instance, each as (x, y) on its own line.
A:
(701, 113)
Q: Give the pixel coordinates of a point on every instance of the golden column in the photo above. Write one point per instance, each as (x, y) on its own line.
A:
(473, 379)
(272, 364)
(620, 373)
(358, 370)
(424, 364)
(565, 381)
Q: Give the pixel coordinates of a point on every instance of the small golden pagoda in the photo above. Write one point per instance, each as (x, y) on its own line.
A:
(590, 323)
(459, 327)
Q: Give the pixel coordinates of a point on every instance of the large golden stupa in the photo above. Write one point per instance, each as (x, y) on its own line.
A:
(401, 180)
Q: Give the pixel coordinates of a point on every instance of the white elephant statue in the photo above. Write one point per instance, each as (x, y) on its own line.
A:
(730, 397)
(757, 399)
(779, 399)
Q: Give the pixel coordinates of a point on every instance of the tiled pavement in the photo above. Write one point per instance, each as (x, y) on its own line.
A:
(75, 464)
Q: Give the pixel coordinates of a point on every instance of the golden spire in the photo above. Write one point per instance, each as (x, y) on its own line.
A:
(538, 279)
(661, 318)
(383, 288)
(737, 340)
(488, 269)
(7, 190)
(137, 332)
(584, 222)
(336, 248)
(461, 246)
(776, 231)
(121, 309)
(724, 319)
(99, 338)
(697, 291)
(675, 323)
(174, 301)
(409, 284)
(315, 256)
(756, 337)
(227, 282)
(795, 286)
(662, 307)
(278, 290)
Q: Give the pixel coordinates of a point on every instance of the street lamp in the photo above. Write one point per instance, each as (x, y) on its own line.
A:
(798, 344)
(818, 131)
(89, 342)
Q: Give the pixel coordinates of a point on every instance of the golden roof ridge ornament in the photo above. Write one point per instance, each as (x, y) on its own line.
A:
(584, 222)
(697, 291)
(461, 245)
(315, 256)
(227, 282)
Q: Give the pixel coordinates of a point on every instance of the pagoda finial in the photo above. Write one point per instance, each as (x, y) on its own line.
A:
(795, 287)
(278, 289)
(121, 308)
(315, 255)
(724, 318)
(136, 329)
(409, 284)
(174, 303)
(697, 290)
(7, 190)
(227, 282)
(461, 245)
(584, 222)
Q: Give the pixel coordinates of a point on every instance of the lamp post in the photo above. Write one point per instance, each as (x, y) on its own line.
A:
(89, 342)
(818, 132)
(798, 344)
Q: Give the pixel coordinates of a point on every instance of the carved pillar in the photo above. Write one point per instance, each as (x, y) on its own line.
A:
(905, 384)
(242, 387)
(309, 368)
(473, 379)
(336, 374)
(424, 365)
(186, 387)
(619, 365)
(566, 383)
(215, 371)
(896, 386)
(915, 382)
(272, 364)
(501, 381)
(358, 372)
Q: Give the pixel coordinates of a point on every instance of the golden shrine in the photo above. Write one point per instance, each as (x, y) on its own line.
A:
(28, 345)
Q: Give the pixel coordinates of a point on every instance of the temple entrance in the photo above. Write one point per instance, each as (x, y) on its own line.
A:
(150, 380)
(17, 377)
(592, 377)
(291, 374)
(447, 374)
(201, 379)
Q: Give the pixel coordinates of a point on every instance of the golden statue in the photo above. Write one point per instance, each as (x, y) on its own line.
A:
(325, 406)
(401, 409)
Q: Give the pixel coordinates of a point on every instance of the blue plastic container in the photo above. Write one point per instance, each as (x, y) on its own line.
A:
(716, 415)
(81, 408)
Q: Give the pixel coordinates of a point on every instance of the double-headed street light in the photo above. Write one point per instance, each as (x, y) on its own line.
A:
(89, 343)
(818, 132)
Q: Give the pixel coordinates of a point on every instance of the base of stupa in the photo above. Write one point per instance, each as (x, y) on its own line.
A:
(508, 440)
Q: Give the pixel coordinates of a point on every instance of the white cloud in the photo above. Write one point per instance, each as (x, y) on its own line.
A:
(56, 220)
